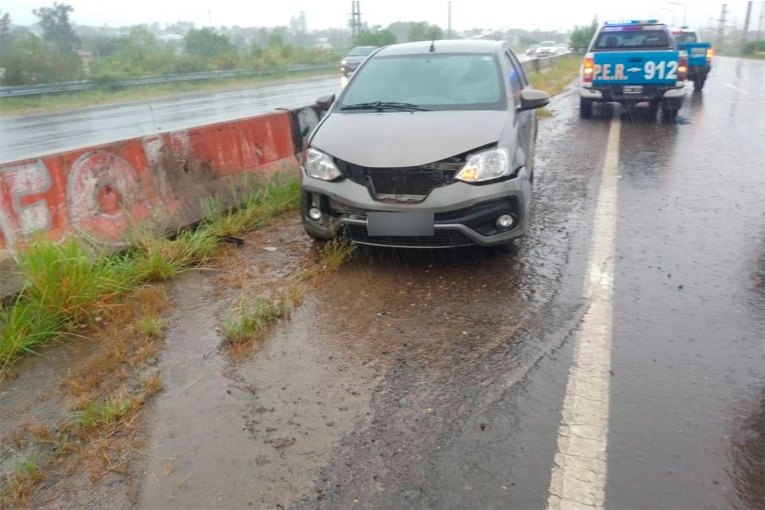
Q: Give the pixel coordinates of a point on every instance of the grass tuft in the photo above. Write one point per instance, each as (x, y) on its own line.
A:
(248, 322)
(258, 206)
(336, 252)
(151, 326)
(555, 79)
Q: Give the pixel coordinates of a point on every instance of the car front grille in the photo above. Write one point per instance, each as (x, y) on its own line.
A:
(408, 184)
(442, 238)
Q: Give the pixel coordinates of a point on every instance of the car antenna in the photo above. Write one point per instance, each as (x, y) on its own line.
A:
(433, 42)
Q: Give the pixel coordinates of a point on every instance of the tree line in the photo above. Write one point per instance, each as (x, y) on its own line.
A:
(28, 59)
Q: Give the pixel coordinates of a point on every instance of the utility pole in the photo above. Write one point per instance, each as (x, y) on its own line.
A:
(759, 26)
(449, 30)
(746, 24)
(721, 29)
(685, 10)
(355, 19)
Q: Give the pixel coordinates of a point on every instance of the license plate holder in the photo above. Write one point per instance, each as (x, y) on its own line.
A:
(400, 223)
(633, 89)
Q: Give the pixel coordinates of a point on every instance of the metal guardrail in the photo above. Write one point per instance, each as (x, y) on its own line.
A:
(538, 64)
(75, 86)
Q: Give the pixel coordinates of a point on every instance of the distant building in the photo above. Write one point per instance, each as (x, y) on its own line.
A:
(86, 57)
(322, 43)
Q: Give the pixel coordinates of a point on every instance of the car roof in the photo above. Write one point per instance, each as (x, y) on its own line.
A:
(442, 46)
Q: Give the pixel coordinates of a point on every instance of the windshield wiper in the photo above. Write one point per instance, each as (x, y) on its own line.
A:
(384, 105)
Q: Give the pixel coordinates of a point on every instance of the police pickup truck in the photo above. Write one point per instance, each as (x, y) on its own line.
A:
(699, 55)
(631, 62)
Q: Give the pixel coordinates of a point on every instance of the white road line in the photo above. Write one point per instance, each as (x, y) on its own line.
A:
(736, 88)
(579, 475)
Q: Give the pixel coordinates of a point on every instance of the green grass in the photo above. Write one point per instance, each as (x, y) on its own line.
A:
(19, 105)
(258, 205)
(66, 284)
(151, 325)
(336, 252)
(555, 79)
(101, 412)
(246, 323)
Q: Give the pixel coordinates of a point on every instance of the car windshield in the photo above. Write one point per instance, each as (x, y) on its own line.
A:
(362, 51)
(631, 39)
(685, 37)
(548, 43)
(434, 82)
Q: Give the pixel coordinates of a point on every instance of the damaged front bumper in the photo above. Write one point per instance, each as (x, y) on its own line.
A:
(464, 214)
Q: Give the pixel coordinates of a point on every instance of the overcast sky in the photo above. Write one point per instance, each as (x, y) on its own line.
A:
(495, 14)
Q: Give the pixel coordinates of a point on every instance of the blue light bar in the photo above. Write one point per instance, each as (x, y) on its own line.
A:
(632, 22)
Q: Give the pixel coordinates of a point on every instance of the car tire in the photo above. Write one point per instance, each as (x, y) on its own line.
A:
(585, 108)
(698, 83)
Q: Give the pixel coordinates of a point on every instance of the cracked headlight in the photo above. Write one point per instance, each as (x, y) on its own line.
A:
(320, 166)
(485, 166)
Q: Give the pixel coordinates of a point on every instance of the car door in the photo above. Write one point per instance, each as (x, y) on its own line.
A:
(526, 121)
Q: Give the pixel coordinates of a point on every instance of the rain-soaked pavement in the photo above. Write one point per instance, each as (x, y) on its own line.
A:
(27, 136)
(465, 378)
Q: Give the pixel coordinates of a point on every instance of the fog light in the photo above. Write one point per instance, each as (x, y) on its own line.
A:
(505, 221)
(314, 214)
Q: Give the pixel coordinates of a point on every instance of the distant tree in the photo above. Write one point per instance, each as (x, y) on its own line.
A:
(5, 30)
(581, 36)
(422, 31)
(57, 30)
(207, 44)
(376, 36)
(30, 61)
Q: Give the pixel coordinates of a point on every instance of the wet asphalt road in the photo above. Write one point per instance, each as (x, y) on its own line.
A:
(26, 136)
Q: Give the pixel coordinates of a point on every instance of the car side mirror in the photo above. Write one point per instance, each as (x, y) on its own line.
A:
(324, 102)
(532, 99)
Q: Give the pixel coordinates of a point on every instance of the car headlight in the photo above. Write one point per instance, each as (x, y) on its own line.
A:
(485, 166)
(343, 62)
(320, 166)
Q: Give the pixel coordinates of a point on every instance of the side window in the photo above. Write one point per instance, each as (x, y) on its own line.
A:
(519, 67)
(515, 78)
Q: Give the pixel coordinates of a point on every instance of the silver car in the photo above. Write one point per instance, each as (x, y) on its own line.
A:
(430, 145)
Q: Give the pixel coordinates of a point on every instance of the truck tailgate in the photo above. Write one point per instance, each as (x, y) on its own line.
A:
(635, 67)
(697, 53)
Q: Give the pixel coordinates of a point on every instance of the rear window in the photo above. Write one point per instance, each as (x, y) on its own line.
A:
(362, 51)
(631, 39)
(686, 37)
(433, 81)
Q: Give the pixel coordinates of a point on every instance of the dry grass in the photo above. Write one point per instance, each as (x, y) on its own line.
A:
(556, 79)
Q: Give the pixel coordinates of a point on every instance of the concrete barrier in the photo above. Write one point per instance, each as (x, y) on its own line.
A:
(160, 181)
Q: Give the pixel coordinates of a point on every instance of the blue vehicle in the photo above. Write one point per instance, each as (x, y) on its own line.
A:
(633, 62)
(699, 55)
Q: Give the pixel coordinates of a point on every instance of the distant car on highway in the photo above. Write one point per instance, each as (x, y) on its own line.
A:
(561, 49)
(531, 51)
(632, 62)
(430, 145)
(546, 49)
(354, 58)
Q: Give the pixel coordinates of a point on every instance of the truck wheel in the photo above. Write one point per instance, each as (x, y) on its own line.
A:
(653, 110)
(669, 114)
(698, 83)
(585, 108)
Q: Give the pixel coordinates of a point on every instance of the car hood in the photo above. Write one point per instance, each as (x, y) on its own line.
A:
(401, 139)
(354, 59)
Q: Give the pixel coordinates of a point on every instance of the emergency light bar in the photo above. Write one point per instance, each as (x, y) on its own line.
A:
(632, 22)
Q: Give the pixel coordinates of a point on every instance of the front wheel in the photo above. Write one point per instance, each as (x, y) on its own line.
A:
(585, 108)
